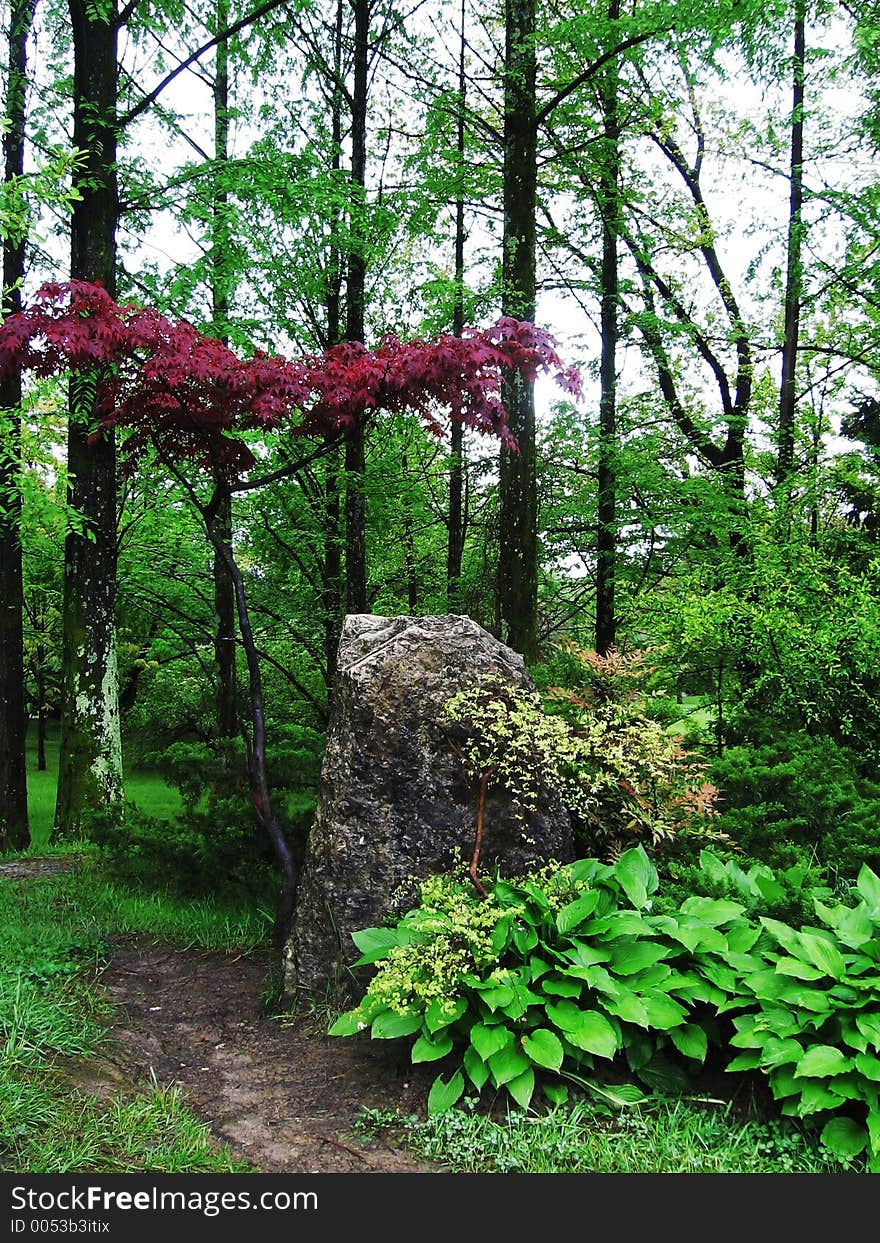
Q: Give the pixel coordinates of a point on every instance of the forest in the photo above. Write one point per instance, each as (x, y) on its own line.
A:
(562, 317)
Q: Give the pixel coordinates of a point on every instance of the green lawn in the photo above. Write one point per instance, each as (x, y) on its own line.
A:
(152, 795)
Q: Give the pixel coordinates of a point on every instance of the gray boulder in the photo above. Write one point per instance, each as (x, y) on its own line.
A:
(394, 803)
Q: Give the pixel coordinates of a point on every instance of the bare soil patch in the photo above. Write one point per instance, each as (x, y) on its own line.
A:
(283, 1096)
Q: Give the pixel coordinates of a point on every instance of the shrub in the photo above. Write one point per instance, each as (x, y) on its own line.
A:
(569, 970)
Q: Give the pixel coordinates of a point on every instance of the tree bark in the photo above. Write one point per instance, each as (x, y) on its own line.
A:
(518, 492)
(794, 270)
(355, 450)
(90, 769)
(606, 533)
(13, 708)
(224, 592)
(456, 517)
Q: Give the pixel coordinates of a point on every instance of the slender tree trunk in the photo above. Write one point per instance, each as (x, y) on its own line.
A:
(606, 534)
(13, 709)
(518, 492)
(355, 450)
(333, 541)
(794, 267)
(457, 517)
(90, 769)
(224, 592)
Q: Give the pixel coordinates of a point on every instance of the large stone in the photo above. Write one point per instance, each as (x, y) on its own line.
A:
(394, 803)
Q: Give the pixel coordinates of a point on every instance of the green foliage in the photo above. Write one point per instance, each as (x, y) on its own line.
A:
(568, 971)
(795, 793)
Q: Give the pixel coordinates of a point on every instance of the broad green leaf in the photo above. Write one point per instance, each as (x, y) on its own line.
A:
(585, 1029)
(873, 1121)
(844, 1137)
(712, 911)
(429, 1049)
(627, 1006)
(741, 937)
(745, 1061)
(556, 1093)
(868, 886)
(868, 1065)
(583, 955)
(389, 1025)
(663, 1012)
(488, 1040)
(442, 1013)
(628, 957)
(853, 1037)
(824, 955)
(538, 967)
(869, 1026)
(520, 1001)
(576, 912)
(544, 1048)
(476, 1068)
(557, 986)
(798, 969)
(637, 876)
(347, 1024)
(525, 937)
(501, 933)
(376, 943)
(507, 1064)
(664, 1075)
(816, 1097)
(780, 1052)
(522, 1087)
(498, 996)
(690, 1040)
(786, 936)
(443, 1095)
(618, 924)
(823, 1059)
(769, 889)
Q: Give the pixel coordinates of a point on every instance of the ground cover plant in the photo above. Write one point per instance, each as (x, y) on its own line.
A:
(559, 974)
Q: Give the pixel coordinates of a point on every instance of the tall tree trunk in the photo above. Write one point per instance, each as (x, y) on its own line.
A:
(332, 566)
(457, 517)
(606, 533)
(224, 592)
(518, 492)
(794, 267)
(355, 451)
(13, 710)
(90, 769)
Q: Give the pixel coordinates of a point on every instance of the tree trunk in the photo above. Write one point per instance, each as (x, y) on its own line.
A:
(518, 492)
(794, 270)
(606, 533)
(90, 769)
(13, 710)
(457, 518)
(355, 451)
(224, 592)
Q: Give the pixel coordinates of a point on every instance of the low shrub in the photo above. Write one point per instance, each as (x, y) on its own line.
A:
(568, 970)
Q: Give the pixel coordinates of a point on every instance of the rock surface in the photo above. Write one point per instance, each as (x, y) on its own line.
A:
(394, 804)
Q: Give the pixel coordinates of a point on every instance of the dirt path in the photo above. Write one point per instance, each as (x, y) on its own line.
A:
(283, 1097)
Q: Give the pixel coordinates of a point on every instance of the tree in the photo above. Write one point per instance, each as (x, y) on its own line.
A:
(13, 710)
(189, 400)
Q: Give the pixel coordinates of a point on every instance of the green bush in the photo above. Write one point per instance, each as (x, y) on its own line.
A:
(799, 793)
(571, 969)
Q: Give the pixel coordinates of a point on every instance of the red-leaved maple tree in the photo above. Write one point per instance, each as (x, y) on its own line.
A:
(190, 399)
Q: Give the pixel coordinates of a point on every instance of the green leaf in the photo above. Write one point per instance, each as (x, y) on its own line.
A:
(348, 1024)
(522, 1087)
(869, 1026)
(443, 1095)
(798, 969)
(525, 938)
(556, 1093)
(427, 1049)
(442, 1013)
(663, 1012)
(488, 1040)
(786, 936)
(376, 943)
(576, 912)
(557, 986)
(844, 1137)
(712, 911)
(477, 1070)
(868, 1065)
(691, 1041)
(389, 1025)
(780, 1052)
(824, 955)
(593, 1033)
(745, 1061)
(507, 1064)
(637, 876)
(544, 1048)
(629, 1007)
(629, 957)
(868, 886)
(823, 1059)
(816, 1097)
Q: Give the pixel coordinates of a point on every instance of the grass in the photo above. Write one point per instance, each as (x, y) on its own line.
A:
(54, 936)
(152, 795)
(670, 1136)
